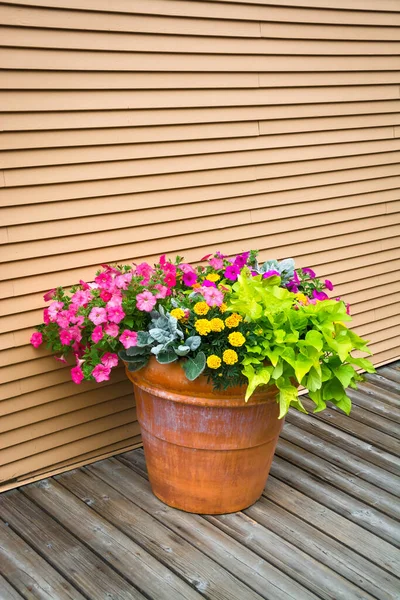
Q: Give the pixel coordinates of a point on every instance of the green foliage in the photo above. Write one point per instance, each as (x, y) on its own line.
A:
(292, 343)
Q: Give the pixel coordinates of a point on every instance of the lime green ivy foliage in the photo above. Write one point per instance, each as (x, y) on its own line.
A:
(290, 343)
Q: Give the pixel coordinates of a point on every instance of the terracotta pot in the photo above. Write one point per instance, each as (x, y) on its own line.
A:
(206, 452)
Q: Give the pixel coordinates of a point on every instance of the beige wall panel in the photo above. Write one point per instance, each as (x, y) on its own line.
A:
(133, 126)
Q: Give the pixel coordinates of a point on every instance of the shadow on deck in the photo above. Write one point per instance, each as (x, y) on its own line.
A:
(326, 526)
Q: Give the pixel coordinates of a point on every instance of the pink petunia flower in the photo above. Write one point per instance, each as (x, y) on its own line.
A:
(216, 263)
(208, 283)
(76, 333)
(65, 337)
(111, 329)
(78, 320)
(170, 279)
(128, 339)
(81, 297)
(105, 296)
(36, 339)
(144, 270)
(146, 301)
(63, 318)
(241, 259)
(319, 295)
(109, 360)
(84, 285)
(122, 281)
(77, 374)
(212, 296)
(101, 373)
(115, 314)
(104, 280)
(46, 318)
(97, 334)
(54, 309)
(61, 359)
(115, 300)
(49, 295)
(162, 291)
(98, 315)
(328, 285)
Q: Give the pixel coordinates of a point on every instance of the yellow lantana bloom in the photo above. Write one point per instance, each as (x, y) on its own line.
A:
(213, 361)
(230, 357)
(213, 277)
(203, 326)
(217, 324)
(233, 320)
(236, 339)
(302, 298)
(201, 308)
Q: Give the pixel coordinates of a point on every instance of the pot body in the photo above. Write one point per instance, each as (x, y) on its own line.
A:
(206, 452)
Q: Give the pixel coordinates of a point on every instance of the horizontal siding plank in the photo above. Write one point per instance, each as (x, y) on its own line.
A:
(80, 60)
(75, 80)
(228, 10)
(43, 157)
(35, 38)
(100, 21)
(47, 101)
(97, 118)
(72, 450)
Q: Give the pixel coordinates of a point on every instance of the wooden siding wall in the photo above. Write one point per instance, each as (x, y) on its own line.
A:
(137, 126)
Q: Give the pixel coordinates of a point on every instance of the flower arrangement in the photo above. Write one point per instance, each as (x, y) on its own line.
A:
(233, 319)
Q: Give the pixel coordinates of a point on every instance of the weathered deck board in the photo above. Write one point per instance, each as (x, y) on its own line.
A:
(325, 528)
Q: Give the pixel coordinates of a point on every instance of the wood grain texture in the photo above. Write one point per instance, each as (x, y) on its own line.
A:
(183, 125)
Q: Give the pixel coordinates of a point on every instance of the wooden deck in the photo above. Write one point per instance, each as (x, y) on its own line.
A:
(326, 526)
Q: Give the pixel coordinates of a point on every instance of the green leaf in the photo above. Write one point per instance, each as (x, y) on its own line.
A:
(363, 363)
(287, 395)
(314, 338)
(277, 372)
(289, 356)
(144, 339)
(167, 356)
(182, 350)
(333, 390)
(193, 342)
(279, 336)
(256, 378)
(302, 366)
(193, 367)
(316, 397)
(345, 374)
(136, 351)
(344, 404)
(137, 364)
(314, 380)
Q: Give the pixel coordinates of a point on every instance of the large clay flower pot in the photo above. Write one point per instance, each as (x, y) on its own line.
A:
(206, 452)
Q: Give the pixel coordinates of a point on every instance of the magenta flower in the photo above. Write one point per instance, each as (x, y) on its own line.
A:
(320, 295)
(309, 272)
(63, 318)
(208, 283)
(270, 274)
(146, 301)
(36, 339)
(98, 315)
(186, 268)
(54, 309)
(84, 285)
(128, 338)
(144, 270)
(162, 291)
(170, 279)
(296, 278)
(111, 329)
(101, 373)
(104, 280)
(61, 359)
(206, 257)
(97, 334)
(46, 317)
(216, 263)
(115, 300)
(65, 337)
(76, 333)
(115, 314)
(212, 296)
(348, 308)
(328, 285)
(105, 296)
(189, 278)
(241, 259)
(109, 360)
(232, 272)
(122, 281)
(49, 295)
(81, 297)
(78, 320)
(77, 374)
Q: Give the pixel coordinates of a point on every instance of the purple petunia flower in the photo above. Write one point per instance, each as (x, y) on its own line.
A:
(232, 272)
(241, 259)
(189, 278)
(328, 285)
(320, 295)
(208, 283)
(309, 272)
(270, 274)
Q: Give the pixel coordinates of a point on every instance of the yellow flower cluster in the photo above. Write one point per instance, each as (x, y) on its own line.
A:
(233, 320)
(302, 298)
(203, 326)
(178, 313)
(236, 338)
(223, 307)
(217, 324)
(230, 357)
(213, 277)
(213, 361)
(201, 308)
